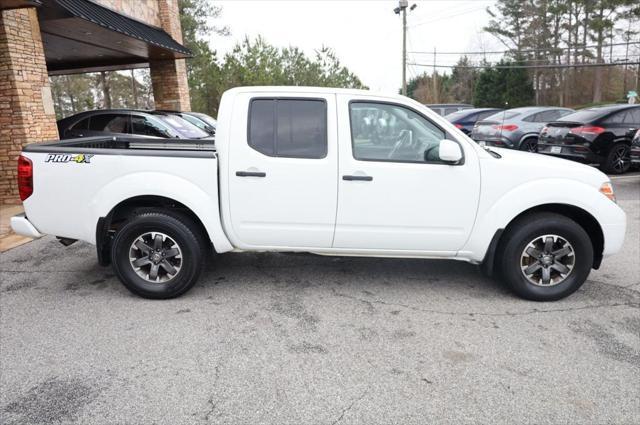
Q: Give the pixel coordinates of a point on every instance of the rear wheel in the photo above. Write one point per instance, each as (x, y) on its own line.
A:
(529, 145)
(618, 159)
(545, 257)
(158, 254)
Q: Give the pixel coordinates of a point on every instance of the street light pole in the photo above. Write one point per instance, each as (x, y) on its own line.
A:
(402, 8)
(404, 49)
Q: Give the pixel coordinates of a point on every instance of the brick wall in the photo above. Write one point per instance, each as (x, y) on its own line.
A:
(169, 77)
(146, 11)
(26, 108)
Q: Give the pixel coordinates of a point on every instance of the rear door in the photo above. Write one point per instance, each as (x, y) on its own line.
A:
(283, 170)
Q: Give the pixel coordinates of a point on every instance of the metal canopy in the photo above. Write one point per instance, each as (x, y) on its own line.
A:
(82, 36)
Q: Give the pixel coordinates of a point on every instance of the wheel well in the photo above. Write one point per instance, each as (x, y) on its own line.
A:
(108, 225)
(580, 216)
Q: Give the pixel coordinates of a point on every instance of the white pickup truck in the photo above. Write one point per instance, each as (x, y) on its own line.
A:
(326, 171)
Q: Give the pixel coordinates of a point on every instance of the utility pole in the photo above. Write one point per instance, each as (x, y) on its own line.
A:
(402, 9)
(434, 77)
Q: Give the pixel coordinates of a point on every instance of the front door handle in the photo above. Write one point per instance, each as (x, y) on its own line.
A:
(251, 174)
(358, 178)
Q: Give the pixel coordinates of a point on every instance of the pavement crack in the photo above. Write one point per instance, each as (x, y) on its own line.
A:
(507, 314)
(350, 406)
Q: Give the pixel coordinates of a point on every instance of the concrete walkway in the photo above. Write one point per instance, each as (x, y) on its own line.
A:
(8, 239)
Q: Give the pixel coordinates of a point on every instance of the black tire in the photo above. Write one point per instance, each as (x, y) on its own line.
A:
(618, 159)
(178, 229)
(526, 230)
(529, 145)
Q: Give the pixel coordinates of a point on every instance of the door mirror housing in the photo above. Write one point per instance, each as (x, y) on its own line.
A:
(449, 151)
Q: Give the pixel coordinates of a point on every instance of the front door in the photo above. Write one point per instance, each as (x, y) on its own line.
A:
(283, 172)
(395, 194)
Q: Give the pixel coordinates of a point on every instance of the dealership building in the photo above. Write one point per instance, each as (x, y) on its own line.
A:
(39, 38)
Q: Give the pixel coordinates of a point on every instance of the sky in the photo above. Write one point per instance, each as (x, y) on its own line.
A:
(366, 35)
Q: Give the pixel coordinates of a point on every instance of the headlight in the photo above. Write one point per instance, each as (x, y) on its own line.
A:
(607, 190)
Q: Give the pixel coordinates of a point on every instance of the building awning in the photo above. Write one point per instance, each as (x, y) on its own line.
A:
(82, 36)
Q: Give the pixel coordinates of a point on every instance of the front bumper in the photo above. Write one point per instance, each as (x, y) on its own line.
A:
(22, 226)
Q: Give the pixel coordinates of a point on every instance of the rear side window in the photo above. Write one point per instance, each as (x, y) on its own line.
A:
(112, 123)
(633, 117)
(294, 128)
(81, 125)
(617, 118)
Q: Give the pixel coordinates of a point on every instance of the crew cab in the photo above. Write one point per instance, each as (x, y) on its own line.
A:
(326, 171)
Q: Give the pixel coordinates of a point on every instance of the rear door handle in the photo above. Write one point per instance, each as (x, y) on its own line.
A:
(358, 178)
(251, 174)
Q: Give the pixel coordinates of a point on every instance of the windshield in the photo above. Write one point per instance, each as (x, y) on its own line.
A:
(585, 115)
(183, 127)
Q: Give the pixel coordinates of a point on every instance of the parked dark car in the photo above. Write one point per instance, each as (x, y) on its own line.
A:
(200, 120)
(635, 150)
(465, 119)
(447, 108)
(594, 135)
(516, 128)
(128, 122)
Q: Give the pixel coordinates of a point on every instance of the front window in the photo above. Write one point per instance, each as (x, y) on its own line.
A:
(389, 132)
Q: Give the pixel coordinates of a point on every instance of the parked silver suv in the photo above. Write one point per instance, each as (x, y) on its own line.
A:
(516, 128)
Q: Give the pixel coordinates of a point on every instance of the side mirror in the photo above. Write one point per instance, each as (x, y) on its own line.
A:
(449, 151)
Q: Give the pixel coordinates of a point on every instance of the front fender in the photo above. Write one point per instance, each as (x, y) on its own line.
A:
(204, 204)
(497, 214)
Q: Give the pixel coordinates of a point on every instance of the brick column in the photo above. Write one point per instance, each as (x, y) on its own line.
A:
(169, 77)
(26, 106)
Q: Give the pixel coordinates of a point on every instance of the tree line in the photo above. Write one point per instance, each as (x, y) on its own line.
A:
(251, 62)
(556, 43)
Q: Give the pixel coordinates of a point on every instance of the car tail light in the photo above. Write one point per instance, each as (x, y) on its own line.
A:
(607, 190)
(594, 130)
(458, 125)
(506, 127)
(25, 177)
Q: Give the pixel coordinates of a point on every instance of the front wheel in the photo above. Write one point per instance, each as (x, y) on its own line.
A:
(545, 257)
(158, 254)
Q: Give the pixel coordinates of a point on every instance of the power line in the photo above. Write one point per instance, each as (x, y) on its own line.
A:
(583, 65)
(525, 51)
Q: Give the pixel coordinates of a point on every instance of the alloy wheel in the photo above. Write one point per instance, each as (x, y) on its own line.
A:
(155, 257)
(547, 260)
(621, 159)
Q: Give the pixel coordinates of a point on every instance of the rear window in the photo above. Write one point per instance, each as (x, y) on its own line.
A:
(294, 128)
(458, 115)
(504, 115)
(585, 115)
(112, 123)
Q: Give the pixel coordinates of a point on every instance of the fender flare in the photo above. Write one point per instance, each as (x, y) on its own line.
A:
(204, 204)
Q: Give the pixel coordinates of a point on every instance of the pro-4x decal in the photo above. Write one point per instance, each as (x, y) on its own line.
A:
(79, 158)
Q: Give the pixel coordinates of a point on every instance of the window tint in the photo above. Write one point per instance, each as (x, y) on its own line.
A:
(112, 123)
(147, 127)
(583, 116)
(485, 114)
(294, 128)
(633, 117)
(448, 111)
(617, 118)
(386, 132)
(81, 125)
(503, 115)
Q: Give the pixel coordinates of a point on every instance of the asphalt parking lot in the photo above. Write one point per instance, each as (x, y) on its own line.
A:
(292, 339)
